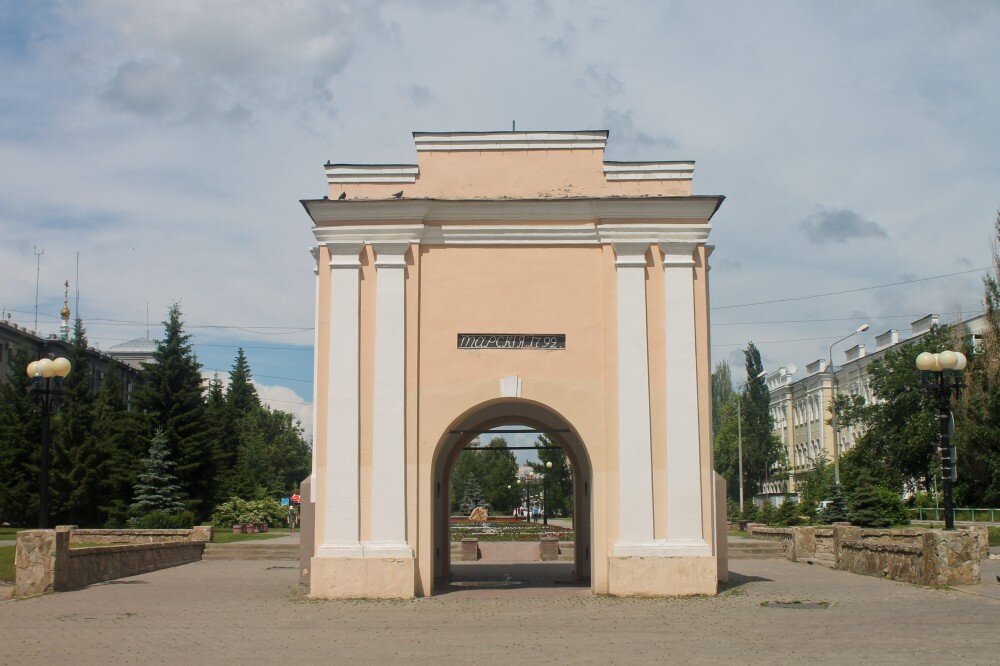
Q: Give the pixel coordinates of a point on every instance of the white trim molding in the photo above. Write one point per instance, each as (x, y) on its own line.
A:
(371, 173)
(580, 140)
(649, 170)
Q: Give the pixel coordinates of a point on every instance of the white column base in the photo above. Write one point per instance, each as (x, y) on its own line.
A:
(662, 548)
(386, 549)
(365, 549)
(349, 549)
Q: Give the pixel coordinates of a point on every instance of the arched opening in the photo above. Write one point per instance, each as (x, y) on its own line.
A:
(538, 419)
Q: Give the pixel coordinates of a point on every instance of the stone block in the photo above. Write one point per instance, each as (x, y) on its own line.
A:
(362, 578)
(662, 576)
(34, 562)
(470, 550)
(803, 544)
(549, 548)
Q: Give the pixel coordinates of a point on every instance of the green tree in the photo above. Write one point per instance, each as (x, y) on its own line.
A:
(559, 478)
(173, 402)
(898, 444)
(157, 488)
(722, 392)
(119, 433)
(71, 450)
(872, 505)
(273, 457)
(19, 445)
(815, 485)
(242, 395)
(472, 494)
(726, 447)
(977, 415)
(499, 475)
(763, 454)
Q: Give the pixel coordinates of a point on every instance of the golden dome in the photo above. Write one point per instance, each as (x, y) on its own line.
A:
(65, 310)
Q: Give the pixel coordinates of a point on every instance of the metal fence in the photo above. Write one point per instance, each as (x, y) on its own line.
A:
(966, 515)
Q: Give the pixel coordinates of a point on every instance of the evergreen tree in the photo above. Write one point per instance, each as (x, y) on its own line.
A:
(222, 432)
(120, 435)
(20, 436)
(71, 428)
(157, 488)
(865, 504)
(763, 454)
(836, 511)
(172, 399)
(559, 478)
(472, 496)
(241, 396)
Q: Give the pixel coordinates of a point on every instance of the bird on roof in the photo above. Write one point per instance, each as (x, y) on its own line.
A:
(343, 195)
(397, 195)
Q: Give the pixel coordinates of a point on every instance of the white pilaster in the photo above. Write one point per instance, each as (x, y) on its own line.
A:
(388, 536)
(341, 510)
(635, 472)
(684, 496)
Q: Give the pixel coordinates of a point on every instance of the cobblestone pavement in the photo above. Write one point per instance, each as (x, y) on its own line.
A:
(252, 612)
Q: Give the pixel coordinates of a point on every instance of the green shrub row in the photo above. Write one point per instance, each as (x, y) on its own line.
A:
(238, 511)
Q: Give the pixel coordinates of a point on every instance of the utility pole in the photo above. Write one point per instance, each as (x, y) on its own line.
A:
(38, 272)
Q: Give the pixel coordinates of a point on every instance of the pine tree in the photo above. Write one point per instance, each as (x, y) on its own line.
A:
(836, 510)
(241, 396)
(273, 458)
(19, 445)
(156, 488)
(865, 505)
(224, 439)
(71, 428)
(120, 435)
(473, 495)
(172, 399)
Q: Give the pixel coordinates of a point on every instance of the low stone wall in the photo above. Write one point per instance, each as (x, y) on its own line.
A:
(926, 557)
(544, 550)
(200, 533)
(44, 561)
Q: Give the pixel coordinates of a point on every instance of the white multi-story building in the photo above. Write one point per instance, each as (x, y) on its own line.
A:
(801, 407)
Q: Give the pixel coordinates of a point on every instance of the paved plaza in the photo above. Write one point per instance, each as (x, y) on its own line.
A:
(253, 612)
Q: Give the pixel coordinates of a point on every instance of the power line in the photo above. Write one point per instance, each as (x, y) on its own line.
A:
(850, 291)
(857, 318)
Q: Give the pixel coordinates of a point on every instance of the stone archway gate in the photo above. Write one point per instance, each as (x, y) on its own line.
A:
(512, 266)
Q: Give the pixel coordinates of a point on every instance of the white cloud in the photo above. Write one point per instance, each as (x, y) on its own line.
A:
(276, 397)
(169, 143)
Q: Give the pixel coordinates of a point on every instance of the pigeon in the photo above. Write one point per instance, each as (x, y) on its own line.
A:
(397, 195)
(343, 195)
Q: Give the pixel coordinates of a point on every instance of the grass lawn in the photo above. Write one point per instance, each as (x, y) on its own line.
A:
(10, 533)
(739, 534)
(7, 563)
(225, 535)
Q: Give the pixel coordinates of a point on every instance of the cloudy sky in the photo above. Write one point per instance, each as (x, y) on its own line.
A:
(169, 143)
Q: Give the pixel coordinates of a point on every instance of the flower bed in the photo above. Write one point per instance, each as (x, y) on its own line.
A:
(506, 529)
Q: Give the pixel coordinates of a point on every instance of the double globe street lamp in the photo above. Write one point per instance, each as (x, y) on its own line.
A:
(940, 376)
(46, 385)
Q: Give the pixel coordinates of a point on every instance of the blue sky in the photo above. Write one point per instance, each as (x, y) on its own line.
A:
(169, 143)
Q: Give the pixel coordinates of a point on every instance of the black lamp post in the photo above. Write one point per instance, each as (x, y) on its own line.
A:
(46, 385)
(941, 377)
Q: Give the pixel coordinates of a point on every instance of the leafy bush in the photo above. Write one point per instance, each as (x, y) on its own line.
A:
(789, 514)
(768, 513)
(750, 512)
(163, 520)
(237, 511)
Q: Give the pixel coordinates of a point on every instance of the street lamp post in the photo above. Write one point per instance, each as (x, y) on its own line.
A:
(47, 375)
(833, 408)
(739, 429)
(545, 494)
(941, 377)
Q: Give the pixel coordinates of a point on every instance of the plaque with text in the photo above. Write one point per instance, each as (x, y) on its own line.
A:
(512, 341)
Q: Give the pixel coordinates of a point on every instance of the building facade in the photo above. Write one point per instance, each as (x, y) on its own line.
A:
(801, 408)
(512, 278)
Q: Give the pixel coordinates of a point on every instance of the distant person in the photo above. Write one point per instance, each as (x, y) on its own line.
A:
(534, 513)
(291, 519)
